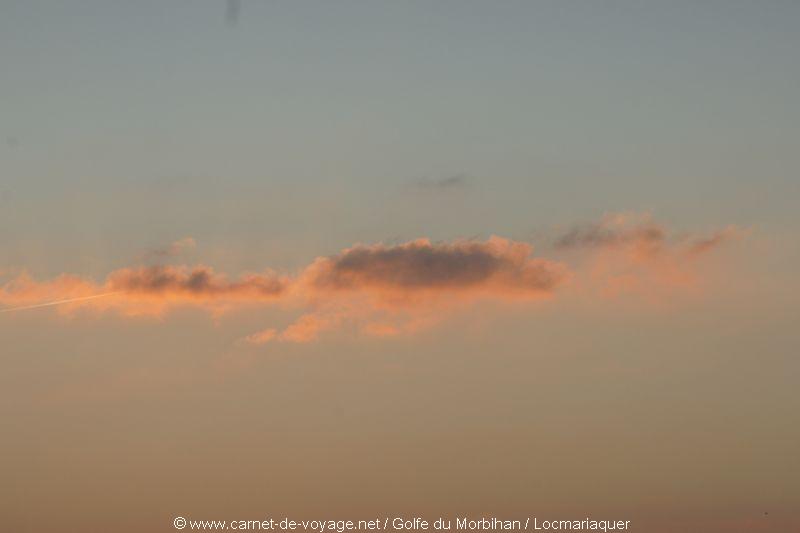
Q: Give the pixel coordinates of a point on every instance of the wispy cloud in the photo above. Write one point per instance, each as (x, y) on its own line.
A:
(641, 234)
(633, 253)
(615, 230)
(177, 248)
(701, 245)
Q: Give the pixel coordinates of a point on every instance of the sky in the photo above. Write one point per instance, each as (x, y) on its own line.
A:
(345, 259)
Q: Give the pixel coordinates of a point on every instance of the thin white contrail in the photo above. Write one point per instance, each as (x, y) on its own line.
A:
(57, 302)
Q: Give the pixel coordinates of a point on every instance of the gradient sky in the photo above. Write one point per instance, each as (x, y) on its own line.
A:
(146, 133)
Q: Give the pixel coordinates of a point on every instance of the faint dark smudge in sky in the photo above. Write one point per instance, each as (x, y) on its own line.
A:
(458, 181)
(232, 9)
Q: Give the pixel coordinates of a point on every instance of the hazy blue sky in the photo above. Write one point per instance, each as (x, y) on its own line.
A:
(151, 120)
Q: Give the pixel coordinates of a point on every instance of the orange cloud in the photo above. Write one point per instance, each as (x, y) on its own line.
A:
(24, 291)
(200, 283)
(144, 290)
(382, 290)
(495, 266)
